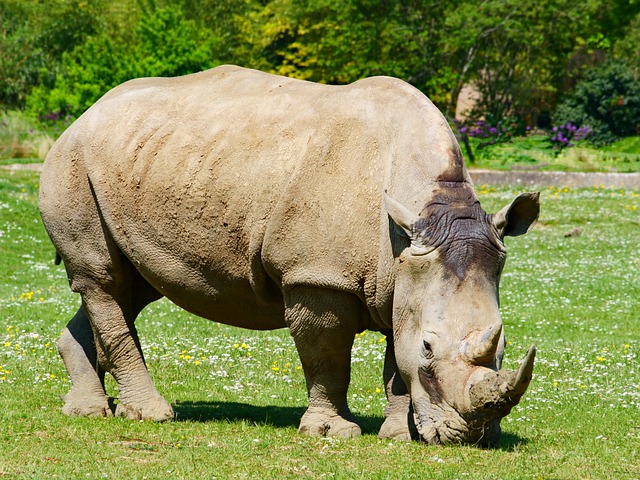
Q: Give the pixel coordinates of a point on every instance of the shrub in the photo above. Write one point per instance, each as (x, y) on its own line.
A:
(607, 100)
(566, 135)
(488, 134)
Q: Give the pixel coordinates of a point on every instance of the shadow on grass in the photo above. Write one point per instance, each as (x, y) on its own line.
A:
(271, 415)
(284, 417)
(510, 442)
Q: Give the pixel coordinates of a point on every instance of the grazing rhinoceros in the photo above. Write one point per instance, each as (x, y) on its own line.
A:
(266, 202)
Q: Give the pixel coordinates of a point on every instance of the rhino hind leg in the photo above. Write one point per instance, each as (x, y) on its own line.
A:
(323, 324)
(112, 313)
(77, 349)
(102, 336)
(398, 423)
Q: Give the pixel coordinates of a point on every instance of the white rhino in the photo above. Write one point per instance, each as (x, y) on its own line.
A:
(267, 202)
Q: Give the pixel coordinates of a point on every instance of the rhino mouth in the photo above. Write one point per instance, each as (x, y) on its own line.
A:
(489, 396)
(442, 424)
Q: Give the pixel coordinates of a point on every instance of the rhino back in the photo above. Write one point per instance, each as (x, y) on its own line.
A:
(231, 184)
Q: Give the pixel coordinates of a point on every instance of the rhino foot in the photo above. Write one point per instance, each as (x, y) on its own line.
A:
(80, 404)
(328, 423)
(397, 427)
(157, 410)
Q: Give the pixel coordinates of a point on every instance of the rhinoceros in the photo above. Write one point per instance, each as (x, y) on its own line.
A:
(267, 202)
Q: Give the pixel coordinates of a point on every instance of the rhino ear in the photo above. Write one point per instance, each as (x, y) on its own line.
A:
(401, 216)
(519, 216)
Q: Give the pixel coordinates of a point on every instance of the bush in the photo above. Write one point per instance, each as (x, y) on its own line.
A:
(566, 135)
(488, 134)
(607, 100)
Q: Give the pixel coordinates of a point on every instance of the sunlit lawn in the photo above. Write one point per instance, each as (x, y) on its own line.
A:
(534, 152)
(572, 287)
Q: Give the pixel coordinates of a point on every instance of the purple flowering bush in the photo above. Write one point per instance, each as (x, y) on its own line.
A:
(485, 133)
(567, 135)
(56, 122)
(607, 99)
(56, 117)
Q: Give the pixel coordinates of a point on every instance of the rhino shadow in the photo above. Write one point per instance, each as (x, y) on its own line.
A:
(510, 442)
(284, 417)
(271, 415)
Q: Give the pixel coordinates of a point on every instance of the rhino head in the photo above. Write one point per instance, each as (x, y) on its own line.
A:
(447, 331)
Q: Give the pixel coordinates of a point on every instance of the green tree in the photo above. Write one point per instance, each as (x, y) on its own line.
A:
(521, 57)
(221, 19)
(34, 34)
(627, 47)
(536, 55)
(163, 43)
(324, 41)
(519, 54)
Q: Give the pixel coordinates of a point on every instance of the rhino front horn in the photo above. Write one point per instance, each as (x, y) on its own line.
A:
(500, 391)
(525, 373)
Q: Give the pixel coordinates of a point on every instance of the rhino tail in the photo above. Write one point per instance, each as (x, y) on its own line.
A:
(58, 259)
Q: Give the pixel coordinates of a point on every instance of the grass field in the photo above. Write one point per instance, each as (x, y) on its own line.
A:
(571, 286)
(534, 153)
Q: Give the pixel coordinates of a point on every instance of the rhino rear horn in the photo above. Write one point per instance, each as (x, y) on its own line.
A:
(481, 348)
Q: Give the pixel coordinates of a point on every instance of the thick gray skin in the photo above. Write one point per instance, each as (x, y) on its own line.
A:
(267, 202)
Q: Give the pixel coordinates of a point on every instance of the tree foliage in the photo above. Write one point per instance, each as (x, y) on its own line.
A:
(33, 37)
(324, 41)
(164, 43)
(523, 58)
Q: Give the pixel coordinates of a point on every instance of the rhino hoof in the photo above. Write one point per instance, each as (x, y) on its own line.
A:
(396, 428)
(79, 404)
(157, 411)
(320, 424)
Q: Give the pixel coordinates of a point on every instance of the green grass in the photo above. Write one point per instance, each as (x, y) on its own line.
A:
(533, 152)
(24, 140)
(239, 394)
(12, 161)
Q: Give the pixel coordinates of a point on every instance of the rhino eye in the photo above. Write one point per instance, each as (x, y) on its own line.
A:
(428, 353)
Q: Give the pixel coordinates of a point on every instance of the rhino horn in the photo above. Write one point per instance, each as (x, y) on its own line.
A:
(480, 348)
(498, 392)
(525, 373)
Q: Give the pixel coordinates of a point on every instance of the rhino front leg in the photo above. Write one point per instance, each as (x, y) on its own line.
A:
(77, 349)
(398, 423)
(323, 324)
